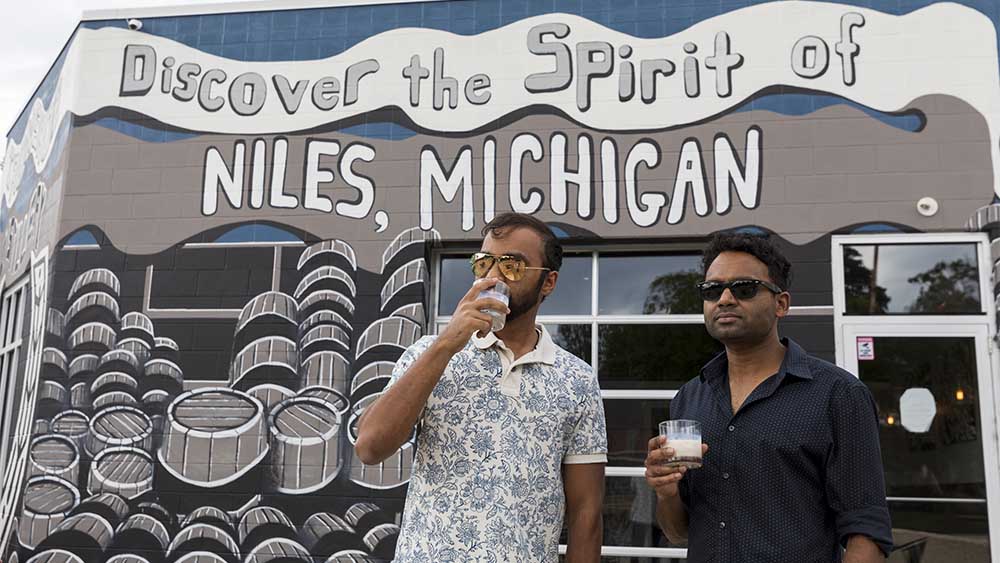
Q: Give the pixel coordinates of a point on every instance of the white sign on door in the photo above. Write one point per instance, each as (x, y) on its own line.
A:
(917, 409)
(866, 348)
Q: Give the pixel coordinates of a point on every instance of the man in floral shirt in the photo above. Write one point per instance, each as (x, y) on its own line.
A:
(512, 432)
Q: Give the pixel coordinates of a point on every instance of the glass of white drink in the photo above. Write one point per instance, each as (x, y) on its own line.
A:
(684, 437)
(501, 293)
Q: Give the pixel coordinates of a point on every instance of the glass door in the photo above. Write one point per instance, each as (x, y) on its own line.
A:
(937, 428)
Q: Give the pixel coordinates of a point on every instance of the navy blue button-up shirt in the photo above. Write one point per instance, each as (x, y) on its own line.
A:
(792, 474)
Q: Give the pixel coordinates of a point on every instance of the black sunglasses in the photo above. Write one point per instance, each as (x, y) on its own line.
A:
(741, 289)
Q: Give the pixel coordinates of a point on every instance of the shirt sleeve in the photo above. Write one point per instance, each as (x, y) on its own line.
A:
(588, 441)
(855, 482)
(404, 362)
(409, 356)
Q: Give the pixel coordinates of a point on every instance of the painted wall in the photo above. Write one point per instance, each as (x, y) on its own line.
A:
(230, 219)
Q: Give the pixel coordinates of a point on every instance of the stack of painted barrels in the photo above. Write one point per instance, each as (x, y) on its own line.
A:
(401, 321)
(129, 464)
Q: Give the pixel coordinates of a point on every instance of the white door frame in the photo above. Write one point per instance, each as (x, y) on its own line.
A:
(981, 327)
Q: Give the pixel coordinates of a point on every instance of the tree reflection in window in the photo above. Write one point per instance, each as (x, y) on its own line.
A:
(863, 295)
(675, 293)
(652, 356)
(575, 339)
(948, 287)
(924, 279)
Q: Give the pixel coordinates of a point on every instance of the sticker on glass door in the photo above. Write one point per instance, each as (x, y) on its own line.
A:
(866, 348)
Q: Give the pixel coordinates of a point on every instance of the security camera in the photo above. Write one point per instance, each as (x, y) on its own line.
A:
(134, 24)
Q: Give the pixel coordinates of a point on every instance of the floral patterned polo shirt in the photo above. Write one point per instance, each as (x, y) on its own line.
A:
(487, 483)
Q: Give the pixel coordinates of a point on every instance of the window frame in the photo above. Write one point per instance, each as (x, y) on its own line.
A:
(594, 320)
(840, 318)
(156, 313)
(10, 357)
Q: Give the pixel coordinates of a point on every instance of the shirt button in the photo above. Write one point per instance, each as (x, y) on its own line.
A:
(722, 525)
(731, 428)
(725, 476)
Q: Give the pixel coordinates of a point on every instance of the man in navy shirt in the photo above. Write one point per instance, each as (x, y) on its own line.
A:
(794, 472)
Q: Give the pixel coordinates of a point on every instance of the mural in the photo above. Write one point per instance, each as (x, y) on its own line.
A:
(126, 457)
(228, 221)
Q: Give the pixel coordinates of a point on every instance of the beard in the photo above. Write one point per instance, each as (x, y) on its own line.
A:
(748, 330)
(521, 304)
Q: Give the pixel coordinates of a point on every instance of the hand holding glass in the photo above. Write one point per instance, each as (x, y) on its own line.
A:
(684, 437)
(501, 293)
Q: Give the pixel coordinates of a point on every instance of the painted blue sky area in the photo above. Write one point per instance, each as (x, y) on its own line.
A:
(804, 104)
(257, 233)
(384, 130)
(876, 228)
(785, 104)
(751, 230)
(135, 130)
(309, 34)
(558, 231)
(80, 238)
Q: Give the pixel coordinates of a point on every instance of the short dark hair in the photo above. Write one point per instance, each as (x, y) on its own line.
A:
(779, 269)
(552, 254)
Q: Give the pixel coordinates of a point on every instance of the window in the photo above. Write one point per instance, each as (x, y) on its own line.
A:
(635, 317)
(11, 328)
(911, 279)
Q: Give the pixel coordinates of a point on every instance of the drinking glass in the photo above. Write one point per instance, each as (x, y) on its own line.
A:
(501, 293)
(684, 437)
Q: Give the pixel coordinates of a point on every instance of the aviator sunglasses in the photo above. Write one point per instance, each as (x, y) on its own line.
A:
(511, 267)
(741, 289)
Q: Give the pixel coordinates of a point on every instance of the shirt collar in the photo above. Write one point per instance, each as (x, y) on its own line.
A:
(545, 349)
(795, 363)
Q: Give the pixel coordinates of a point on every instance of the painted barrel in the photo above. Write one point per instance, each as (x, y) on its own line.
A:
(305, 454)
(261, 523)
(48, 500)
(56, 556)
(54, 454)
(327, 368)
(160, 373)
(53, 398)
(214, 439)
(210, 515)
(204, 537)
(127, 472)
(324, 533)
(79, 397)
(351, 556)
(141, 533)
(73, 424)
(381, 540)
(120, 426)
(270, 394)
(335, 399)
(109, 506)
(114, 399)
(278, 550)
(87, 535)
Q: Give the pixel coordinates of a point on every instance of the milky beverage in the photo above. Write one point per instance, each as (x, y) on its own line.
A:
(684, 437)
(501, 293)
(687, 453)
